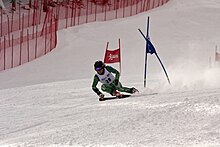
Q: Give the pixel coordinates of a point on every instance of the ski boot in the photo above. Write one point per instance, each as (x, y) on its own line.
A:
(118, 95)
(101, 97)
(133, 90)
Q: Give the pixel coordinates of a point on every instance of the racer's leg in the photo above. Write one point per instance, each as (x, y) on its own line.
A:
(123, 89)
(109, 88)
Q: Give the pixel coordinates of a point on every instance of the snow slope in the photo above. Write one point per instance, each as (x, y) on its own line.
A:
(49, 102)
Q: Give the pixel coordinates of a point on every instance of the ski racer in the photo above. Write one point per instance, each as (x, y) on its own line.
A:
(110, 83)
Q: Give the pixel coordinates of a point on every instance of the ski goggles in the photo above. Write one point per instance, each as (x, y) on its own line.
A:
(98, 68)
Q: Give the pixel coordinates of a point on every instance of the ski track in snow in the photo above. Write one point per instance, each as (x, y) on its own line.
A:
(42, 116)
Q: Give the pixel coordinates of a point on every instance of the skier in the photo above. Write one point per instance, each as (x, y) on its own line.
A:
(110, 83)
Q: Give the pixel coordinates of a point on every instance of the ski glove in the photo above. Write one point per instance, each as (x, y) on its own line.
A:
(116, 82)
(101, 96)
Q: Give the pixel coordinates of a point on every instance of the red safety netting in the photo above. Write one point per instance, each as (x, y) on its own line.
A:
(23, 30)
(29, 43)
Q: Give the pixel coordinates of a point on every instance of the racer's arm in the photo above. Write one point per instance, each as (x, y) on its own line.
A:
(94, 84)
(113, 70)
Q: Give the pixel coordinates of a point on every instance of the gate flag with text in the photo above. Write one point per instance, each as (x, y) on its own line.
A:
(113, 56)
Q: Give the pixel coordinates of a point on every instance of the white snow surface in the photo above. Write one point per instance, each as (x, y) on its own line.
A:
(49, 101)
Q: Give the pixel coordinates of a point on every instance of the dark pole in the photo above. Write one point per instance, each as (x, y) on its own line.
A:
(145, 65)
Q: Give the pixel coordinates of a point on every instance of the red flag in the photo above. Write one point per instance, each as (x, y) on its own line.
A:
(112, 56)
(217, 57)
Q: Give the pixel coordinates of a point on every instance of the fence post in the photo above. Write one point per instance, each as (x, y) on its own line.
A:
(87, 9)
(58, 16)
(74, 21)
(79, 13)
(117, 7)
(22, 27)
(51, 24)
(28, 53)
(4, 51)
(45, 41)
(45, 21)
(66, 15)
(29, 3)
(95, 12)
(39, 21)
(36, 41)
(136, 6)
(105, 12)
(123, 8)
(12, 52)
(19, 12)
(12, 21)
(33, 24)
(72, 14)
(8, 29)
(20, 47)
(0, 50)
(1, 21)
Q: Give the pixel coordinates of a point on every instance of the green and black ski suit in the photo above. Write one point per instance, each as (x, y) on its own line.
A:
(108, 82)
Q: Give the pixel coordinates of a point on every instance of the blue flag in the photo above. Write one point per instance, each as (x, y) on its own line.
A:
(150, 47)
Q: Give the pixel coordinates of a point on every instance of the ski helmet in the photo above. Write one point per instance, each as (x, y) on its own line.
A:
(99, 65)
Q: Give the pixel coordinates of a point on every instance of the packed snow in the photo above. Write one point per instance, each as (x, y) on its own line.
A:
(49, 102)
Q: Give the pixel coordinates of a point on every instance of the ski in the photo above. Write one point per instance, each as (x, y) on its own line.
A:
(128, 95)
(114, 97)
